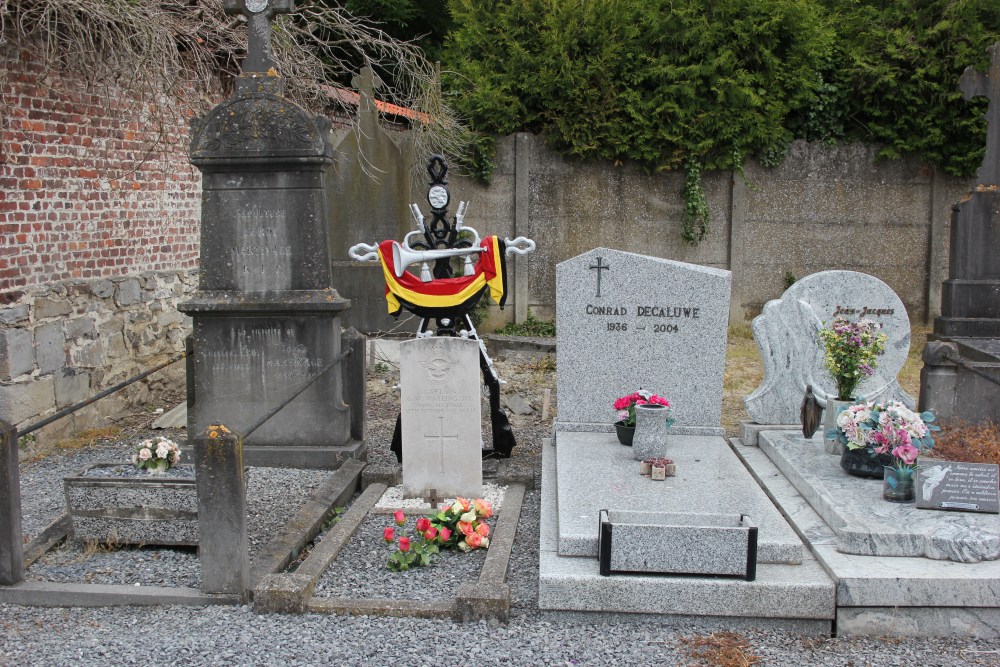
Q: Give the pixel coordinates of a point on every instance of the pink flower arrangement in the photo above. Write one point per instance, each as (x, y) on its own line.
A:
(460, 525)
(625, 406)
(887, 428)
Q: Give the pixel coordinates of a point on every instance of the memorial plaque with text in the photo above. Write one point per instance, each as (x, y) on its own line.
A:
(628, 321)
(963, 487)
(441, 417)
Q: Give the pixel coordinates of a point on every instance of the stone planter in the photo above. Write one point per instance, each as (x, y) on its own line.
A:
(144, 509)
(722, 545)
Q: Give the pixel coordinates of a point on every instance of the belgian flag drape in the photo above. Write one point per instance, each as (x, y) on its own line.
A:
(446, 295)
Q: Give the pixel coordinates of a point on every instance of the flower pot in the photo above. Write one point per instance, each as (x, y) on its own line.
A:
(831, 445)
(897, 484)
(860, 463)
(140, 509)
(651, 427)
(625, 433)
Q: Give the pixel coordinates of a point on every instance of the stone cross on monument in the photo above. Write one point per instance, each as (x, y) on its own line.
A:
(977, 84)
(259, 14)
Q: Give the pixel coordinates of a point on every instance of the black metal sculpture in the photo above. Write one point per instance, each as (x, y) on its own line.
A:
(438, 295)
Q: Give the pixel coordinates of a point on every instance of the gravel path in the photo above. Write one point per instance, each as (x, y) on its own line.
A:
(236, 636)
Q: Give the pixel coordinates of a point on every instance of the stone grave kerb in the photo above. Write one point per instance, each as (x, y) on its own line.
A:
(626, 321)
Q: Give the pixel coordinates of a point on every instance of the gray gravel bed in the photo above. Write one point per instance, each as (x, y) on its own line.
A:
(195, 636)
(273, 495)
(180, 471)
(236, 636)
(361, 571)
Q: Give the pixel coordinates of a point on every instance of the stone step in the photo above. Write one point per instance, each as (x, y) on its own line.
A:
(788, 593)
(863, 522)
(880, 595)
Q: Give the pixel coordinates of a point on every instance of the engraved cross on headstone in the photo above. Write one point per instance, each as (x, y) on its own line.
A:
(438, 439)
(259, 14)
(976, 84)
(600, 266)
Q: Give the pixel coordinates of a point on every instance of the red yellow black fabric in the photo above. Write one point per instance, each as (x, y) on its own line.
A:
(446, 295)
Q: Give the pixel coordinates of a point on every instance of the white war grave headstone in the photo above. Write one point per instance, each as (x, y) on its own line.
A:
(441, 418)
(629, 322)
(787, 334)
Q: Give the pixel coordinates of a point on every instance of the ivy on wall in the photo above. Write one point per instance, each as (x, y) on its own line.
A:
(703, 84)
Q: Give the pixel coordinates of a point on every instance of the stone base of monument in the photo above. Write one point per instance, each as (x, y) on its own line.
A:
(898, 570)
(584, 473)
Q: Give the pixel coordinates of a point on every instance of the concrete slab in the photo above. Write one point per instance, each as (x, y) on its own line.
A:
(780, 592)
(864, 523)
(877, 595)
(595, 472)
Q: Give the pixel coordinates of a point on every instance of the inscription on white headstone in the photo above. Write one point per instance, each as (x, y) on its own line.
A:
(628, 321)
(441, 417)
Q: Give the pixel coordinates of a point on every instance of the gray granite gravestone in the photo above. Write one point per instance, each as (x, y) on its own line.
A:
(441, 417)
(266, 316)
(962, 358)
(787, 336)
(630, 321)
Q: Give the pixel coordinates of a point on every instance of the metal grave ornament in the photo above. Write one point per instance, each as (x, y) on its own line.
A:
(438, 294)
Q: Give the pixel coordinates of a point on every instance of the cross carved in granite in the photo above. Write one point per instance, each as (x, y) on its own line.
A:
(977, 84)
(259, 14)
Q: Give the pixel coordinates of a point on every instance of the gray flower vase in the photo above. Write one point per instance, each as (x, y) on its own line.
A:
(651, 427)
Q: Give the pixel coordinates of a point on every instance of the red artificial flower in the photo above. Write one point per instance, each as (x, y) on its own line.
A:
(404, 544)
(388, 534)
(423, 523)
(445, 534)
(400, 517)
(430, 534)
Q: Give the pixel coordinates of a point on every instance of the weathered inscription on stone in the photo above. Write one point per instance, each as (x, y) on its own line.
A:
(440, 417)
(963, 487)
(262, 257)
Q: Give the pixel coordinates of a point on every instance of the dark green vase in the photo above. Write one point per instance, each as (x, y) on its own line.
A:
(860, 463)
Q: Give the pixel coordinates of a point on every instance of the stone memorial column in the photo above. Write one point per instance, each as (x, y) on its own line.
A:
(266, 316)
(962, 359)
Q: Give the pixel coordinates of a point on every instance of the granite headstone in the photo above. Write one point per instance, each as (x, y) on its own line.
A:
(628, 321)
(441, 416)
(787, 334)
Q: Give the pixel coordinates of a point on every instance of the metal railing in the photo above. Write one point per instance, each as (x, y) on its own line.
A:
(93, 399)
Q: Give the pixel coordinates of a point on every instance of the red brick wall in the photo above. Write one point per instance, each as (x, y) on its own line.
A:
(90, 186)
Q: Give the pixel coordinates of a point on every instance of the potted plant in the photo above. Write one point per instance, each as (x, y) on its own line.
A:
(851, 351)
(625, 413)
(881, 436)
(136, 502)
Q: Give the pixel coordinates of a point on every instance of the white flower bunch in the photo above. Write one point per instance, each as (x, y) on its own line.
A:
(157, 454)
